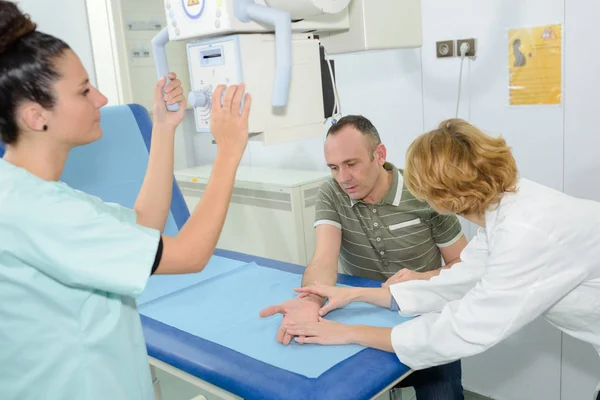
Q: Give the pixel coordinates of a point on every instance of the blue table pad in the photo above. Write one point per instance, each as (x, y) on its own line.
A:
(361, 372)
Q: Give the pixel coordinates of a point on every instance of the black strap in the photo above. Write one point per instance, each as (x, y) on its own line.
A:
(158, 256)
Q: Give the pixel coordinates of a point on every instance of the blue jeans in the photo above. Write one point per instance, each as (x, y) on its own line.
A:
(443, 382)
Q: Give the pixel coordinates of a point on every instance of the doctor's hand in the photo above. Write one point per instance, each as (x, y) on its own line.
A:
(323, 332)
(172, 94)
(229, 124)
(407, 275)
(337, 297)
(295, 311)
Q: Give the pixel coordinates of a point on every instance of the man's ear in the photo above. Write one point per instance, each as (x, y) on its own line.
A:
(380, 154)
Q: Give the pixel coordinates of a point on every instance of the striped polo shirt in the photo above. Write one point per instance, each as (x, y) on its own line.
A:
(380, 239)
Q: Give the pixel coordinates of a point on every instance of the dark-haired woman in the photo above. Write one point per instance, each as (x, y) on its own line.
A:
(70, 264)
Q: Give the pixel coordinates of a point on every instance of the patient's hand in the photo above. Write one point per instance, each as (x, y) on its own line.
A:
(295, 311)
(337, 297)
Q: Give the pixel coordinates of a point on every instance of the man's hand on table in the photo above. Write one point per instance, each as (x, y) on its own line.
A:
(295, 311)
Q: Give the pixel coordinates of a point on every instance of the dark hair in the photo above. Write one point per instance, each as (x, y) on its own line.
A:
(361, 124)
(26, 66)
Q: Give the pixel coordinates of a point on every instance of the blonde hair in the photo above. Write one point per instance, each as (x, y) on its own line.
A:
(460, 169)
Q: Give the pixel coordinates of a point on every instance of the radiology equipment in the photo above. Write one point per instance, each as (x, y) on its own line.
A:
(276, 48)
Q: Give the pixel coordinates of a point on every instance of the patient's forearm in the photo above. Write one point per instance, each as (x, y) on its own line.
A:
(315, 274)
(377, 296)
(319, 274)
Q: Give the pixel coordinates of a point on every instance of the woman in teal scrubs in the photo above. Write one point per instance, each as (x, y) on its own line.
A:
(70, 264)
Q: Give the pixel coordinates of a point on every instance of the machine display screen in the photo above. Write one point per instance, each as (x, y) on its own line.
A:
(212, 56)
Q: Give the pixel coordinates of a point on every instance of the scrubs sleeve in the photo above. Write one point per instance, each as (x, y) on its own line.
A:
(83, 242)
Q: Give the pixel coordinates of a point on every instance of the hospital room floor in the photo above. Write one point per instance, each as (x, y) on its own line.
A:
(173, 388)
(409, 394)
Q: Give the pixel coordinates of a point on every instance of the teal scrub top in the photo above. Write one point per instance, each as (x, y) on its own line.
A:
(70, 269)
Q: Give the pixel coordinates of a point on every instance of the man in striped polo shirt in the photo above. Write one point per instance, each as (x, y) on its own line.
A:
(380, 237)
(374, 227)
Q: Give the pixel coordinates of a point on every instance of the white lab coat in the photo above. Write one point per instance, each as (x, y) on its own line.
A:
(539, 255)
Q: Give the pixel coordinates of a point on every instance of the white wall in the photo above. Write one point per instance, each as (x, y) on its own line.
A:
(581, 367)
(582, 141)
(67, 20)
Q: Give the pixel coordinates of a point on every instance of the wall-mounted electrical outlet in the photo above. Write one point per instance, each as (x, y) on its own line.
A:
(471, 42)
(445, 48)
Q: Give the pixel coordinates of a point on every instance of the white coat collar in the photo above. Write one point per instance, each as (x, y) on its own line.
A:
(495, 214)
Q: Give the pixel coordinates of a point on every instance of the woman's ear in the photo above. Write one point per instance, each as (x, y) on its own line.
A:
(32, 116)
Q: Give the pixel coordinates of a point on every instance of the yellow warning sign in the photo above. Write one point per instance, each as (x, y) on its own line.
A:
(193, 2)
(535, 65)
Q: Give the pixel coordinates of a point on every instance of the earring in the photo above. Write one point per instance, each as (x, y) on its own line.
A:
(45, 127)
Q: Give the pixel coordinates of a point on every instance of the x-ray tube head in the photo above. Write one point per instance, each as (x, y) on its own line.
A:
(308, 8)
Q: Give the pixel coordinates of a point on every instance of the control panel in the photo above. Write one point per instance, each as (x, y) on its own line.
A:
(213, 62)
